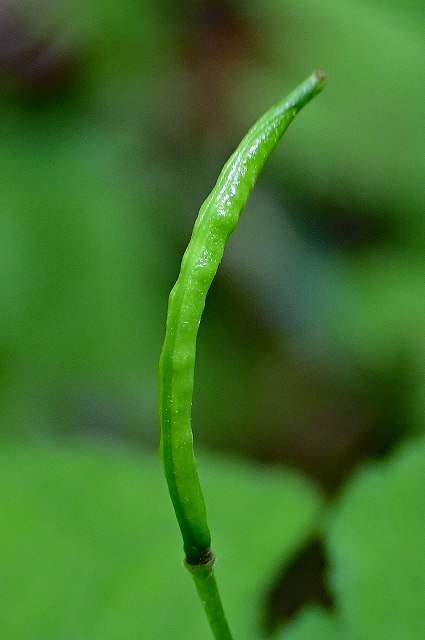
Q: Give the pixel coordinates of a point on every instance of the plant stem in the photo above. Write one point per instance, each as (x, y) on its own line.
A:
(206, 586)
(216, 221)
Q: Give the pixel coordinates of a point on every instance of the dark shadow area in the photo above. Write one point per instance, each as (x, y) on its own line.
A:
(303, 582)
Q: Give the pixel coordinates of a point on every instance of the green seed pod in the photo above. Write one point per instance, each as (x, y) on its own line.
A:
(217, 219)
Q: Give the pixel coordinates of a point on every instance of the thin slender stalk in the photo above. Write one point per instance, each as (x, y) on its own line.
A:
(217, 219)
(204, 578)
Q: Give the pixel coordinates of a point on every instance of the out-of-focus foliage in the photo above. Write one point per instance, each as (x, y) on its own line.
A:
(352, 271)
(376, 544)
(76, 300)
(376, 541)
(80, 243)
(311, 623)
(115, 119)
(362, 159)
(88, 543)
(90, 547)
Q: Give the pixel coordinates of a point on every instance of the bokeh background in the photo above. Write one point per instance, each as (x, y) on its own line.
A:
(115, 119)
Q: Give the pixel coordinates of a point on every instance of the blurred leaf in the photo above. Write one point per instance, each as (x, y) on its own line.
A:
(82, 275)
(83, 279)
(361, 141)
(90, 547)
(311, 624)
(376, 546)
(355, 156)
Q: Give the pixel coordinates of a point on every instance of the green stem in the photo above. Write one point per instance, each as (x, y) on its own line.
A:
(204, 578)
(216, 221)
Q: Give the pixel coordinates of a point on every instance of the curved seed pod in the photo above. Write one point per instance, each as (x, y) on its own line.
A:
(217, 219)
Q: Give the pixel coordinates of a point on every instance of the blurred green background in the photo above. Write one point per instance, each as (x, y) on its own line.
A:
(115, 119)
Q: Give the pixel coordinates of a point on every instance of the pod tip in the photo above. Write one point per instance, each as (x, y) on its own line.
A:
(319, 75)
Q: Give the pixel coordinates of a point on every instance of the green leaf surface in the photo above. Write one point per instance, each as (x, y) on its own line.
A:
(90, 547)
(312, 624)
(377, 550)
